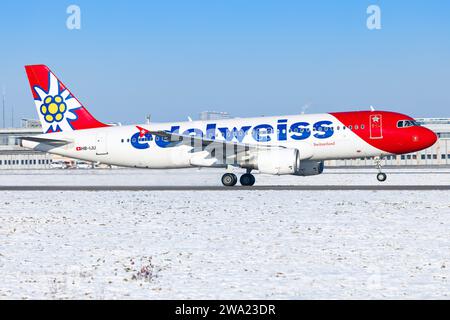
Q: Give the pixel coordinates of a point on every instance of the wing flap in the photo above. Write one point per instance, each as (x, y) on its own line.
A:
(201, 141)
(208, 152)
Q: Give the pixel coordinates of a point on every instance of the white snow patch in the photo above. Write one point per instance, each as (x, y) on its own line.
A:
(224, 245)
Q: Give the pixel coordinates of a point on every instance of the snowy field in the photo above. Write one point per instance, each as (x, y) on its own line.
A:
(225, 245)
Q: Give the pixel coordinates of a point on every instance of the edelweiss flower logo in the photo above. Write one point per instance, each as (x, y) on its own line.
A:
(57, 106)
(53, 109)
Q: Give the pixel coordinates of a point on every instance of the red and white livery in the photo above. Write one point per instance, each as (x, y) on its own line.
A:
(295, 144)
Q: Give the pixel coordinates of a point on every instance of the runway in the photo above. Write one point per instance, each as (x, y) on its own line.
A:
(237, 188)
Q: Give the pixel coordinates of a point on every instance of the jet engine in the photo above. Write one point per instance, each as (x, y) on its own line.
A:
(276, 162)
(284, 162)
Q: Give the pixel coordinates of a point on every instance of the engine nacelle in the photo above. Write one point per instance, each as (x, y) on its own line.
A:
(277, 162)
(310, 168)
(284, 162)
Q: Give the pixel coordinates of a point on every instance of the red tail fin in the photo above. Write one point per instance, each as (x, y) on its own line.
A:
(57, 107)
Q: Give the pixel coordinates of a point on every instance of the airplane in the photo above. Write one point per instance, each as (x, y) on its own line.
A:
(283, 145)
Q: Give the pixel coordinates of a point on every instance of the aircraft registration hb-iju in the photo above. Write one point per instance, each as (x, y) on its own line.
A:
(284, 145)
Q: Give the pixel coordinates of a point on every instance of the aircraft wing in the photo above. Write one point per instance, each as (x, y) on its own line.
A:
(201, 141)
(208, 152)
(51, 142)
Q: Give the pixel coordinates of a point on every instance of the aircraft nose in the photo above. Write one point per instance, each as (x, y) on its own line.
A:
(425, 138)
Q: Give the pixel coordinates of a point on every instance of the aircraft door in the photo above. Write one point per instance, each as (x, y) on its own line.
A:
(376, 126)
(101, 144)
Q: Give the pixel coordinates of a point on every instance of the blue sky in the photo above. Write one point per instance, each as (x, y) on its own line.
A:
(250, 58)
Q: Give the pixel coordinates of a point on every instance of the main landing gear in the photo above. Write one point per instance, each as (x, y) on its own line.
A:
(229, 179)
(246, 180)
(381, 176)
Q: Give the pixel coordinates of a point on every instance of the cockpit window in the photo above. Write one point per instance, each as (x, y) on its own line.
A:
(407, 123)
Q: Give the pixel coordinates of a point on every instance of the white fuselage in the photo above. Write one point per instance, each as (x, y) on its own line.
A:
(317, 136)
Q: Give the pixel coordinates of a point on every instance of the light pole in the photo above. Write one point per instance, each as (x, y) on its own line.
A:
(4, 103)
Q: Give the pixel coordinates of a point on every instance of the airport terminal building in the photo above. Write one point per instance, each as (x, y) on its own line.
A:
(13, 157)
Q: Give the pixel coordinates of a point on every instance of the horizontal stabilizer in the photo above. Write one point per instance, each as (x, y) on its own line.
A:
(52, 142)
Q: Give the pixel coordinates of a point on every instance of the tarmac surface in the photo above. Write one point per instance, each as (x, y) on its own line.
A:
(237, 188)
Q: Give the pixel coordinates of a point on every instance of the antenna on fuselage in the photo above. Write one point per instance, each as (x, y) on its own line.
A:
(372, 108)
(190, 119)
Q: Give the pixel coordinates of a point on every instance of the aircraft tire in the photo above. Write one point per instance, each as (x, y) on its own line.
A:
(247, 180)
(381, 177)
(229, 180)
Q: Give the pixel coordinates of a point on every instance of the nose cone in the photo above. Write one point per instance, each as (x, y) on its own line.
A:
(425, 138)
(430, 138)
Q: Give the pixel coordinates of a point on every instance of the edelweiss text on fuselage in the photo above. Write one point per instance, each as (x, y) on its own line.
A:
(260, 133)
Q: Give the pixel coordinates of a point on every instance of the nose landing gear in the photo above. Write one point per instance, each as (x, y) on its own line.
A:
(381, 176)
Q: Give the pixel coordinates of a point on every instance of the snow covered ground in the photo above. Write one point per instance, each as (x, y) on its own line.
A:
(236, 244)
